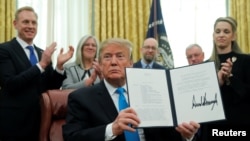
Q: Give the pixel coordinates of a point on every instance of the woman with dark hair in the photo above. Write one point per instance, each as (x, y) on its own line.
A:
(235, 83)
(84, 71)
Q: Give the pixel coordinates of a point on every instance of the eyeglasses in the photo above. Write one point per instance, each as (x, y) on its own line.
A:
(150, 47)
(89, 44)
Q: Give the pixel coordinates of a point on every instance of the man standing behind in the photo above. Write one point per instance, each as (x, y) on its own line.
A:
(149, 53)
(194, 54)
(22, 81)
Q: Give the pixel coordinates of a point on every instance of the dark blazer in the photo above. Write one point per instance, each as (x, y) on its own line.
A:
(155, 65)
(235, 96)
(20, 88)
(90, 109)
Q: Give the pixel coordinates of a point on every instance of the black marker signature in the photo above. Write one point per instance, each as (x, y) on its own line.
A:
(204, 101)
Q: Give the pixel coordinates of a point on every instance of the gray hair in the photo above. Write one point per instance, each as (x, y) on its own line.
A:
(79, 54)
(193, 45)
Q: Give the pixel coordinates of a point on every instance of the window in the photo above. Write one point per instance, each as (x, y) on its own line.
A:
(191, 21)
(62, 21)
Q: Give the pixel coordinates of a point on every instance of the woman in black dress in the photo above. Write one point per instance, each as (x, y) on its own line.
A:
(234, 84)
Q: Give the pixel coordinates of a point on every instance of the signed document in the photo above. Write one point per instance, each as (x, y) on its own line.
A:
(170, 97)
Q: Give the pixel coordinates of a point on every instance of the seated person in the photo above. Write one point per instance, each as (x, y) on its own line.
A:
(93, 112)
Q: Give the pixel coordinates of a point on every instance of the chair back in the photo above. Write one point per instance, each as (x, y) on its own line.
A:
(53, 114)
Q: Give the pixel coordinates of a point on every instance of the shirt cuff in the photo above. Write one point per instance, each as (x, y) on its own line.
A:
(109, 134)
(60, 71)
(40, 68)
(190, 138)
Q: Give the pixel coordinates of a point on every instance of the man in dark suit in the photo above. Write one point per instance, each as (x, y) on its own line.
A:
(149, 51)
(93, 111)
(22, 83)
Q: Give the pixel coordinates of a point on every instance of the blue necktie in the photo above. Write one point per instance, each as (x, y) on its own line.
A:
(33, 59)
(130, 136)
(147, 66)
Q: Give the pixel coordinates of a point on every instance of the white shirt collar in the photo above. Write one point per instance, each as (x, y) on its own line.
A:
(22, 42)
(144, 64)
(112, 89)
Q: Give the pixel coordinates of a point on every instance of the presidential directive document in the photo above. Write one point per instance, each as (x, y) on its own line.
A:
(169, 97)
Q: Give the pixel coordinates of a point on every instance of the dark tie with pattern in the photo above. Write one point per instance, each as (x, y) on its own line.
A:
(33, 59)
(147, 66)
(130, 136)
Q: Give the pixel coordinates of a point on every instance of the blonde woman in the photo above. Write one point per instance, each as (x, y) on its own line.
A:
(84, 71)
(235, 82)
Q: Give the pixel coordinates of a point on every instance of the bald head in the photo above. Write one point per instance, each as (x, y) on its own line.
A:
(150, 41)
(149, 50)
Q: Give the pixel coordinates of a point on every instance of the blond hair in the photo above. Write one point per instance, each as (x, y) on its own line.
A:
(235, 47)
(25, 8)
(118, 41)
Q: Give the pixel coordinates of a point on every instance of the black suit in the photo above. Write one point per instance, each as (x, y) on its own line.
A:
(20, 88)
(90, 109)
(155, 65)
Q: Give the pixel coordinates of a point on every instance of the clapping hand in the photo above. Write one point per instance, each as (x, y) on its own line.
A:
(97, 68)
(225, 72)
(64, 57)
(46, 55)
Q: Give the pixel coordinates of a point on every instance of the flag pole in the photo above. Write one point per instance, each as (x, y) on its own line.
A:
(155, 20)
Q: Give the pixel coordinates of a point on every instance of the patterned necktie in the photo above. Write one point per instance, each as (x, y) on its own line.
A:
(130, 136)
(147, 66)
(33, 59)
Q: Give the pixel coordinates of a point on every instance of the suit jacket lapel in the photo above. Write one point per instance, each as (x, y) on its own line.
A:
(155, 65)
(138, 64)
(39, 52)
(18, 50)
(106, 102)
